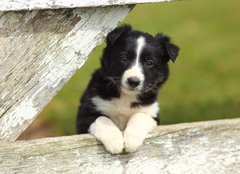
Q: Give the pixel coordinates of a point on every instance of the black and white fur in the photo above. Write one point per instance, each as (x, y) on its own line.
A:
(119, 106)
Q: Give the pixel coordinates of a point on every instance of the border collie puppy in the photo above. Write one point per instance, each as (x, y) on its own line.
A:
(119, 106)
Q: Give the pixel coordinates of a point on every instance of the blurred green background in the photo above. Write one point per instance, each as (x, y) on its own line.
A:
(204, 82)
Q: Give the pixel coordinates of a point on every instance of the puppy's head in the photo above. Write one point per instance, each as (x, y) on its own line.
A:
(137, 59)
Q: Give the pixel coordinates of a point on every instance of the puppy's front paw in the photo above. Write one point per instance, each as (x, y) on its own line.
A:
(114, 144)
(132, 142)
(107, 133)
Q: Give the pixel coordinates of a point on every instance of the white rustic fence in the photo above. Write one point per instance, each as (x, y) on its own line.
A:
(197, 148)
(43, 42)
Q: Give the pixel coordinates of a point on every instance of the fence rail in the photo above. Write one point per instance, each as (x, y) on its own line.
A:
(204, 147)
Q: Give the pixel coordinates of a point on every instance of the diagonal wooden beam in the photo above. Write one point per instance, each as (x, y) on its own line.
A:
(40, 51)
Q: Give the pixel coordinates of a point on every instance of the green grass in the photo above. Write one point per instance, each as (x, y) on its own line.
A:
(204, 82)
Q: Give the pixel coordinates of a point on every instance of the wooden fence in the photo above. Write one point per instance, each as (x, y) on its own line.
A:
(197, 148)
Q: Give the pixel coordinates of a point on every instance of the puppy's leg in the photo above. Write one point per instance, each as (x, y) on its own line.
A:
(108, 133)
(138, 127)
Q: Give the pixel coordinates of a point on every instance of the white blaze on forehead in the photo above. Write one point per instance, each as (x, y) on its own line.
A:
(136, 69)
(140, 45)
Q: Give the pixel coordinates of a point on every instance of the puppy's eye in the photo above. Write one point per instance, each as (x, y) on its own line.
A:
(149, 63)
(123, 58)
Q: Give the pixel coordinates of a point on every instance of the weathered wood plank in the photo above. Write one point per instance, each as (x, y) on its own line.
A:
(202, 148)
(14, 5)
(40, 51)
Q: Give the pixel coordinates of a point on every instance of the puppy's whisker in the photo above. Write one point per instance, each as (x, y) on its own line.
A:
(111, 85)
(153, 86)
(151, 89)
(113, 82)
(112, 78)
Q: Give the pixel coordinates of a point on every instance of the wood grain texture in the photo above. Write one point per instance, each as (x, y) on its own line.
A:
(40, 51)
(202, 148)
(14, 5)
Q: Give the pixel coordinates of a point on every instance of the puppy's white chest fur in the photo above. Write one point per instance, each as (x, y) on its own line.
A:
(119, 110)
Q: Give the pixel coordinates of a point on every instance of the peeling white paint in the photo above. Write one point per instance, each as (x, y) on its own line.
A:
(26, 110)
(20, 114)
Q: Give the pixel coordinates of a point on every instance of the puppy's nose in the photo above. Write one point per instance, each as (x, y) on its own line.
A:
(133, 81)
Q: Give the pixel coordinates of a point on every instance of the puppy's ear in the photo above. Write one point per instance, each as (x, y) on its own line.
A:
(116, 33)
(171, 50)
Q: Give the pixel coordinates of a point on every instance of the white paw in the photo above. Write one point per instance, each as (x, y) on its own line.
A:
(132, 142)
(114, 144)
(107, 133)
